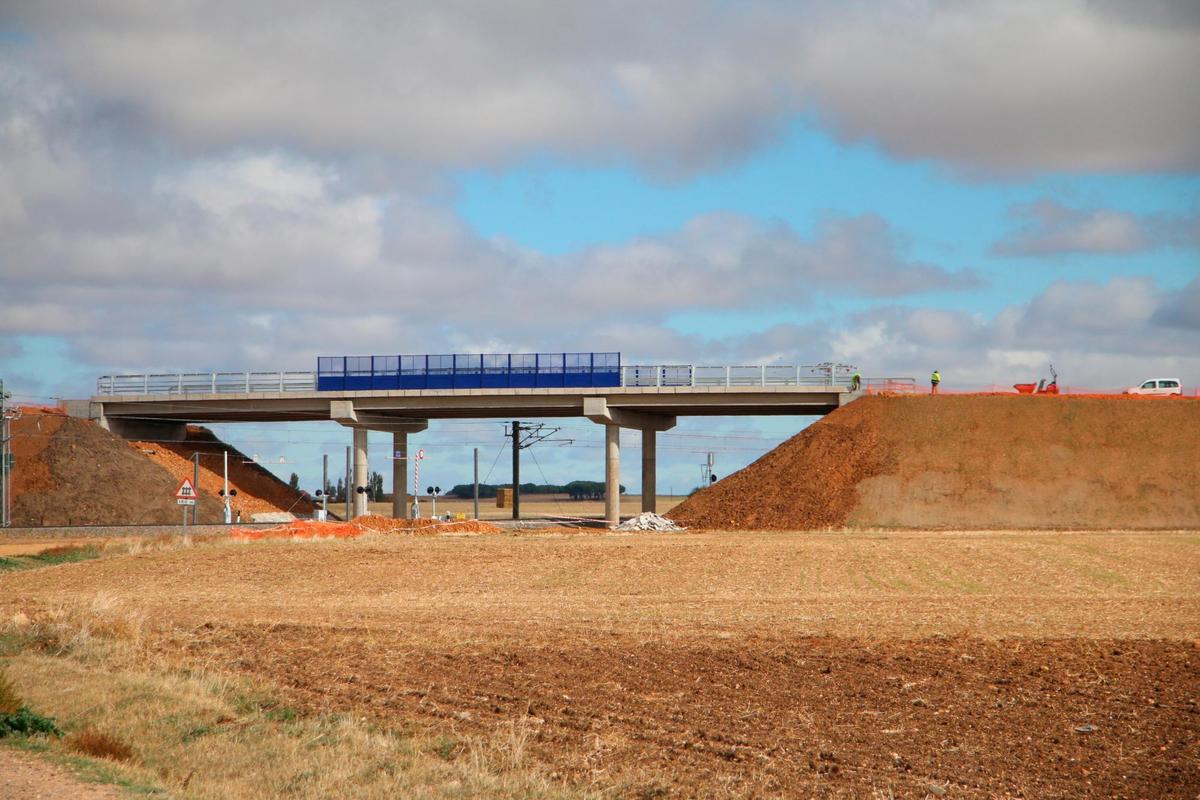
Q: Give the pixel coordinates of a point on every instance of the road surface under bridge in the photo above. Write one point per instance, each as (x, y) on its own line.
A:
(650, 399)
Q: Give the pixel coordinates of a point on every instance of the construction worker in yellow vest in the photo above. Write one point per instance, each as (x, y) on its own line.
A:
(856, 381)
(934, 380)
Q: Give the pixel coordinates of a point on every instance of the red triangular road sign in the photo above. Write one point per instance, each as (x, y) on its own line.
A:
(186, 490)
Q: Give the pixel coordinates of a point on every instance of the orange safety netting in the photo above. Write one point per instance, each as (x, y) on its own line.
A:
(309, 529)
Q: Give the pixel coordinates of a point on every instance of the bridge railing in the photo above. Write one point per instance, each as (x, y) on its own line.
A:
(460, 376)
(668, 375)
(206, 383)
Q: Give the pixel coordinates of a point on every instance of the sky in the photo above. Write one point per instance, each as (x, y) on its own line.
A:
(982, 188)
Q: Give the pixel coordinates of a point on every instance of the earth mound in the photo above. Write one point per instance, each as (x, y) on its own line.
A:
(71, 471)
(973, 462)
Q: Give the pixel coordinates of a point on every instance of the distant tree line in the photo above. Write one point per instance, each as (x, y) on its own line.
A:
(577, 490)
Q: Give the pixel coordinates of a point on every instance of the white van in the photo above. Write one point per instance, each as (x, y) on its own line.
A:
(1157, 386)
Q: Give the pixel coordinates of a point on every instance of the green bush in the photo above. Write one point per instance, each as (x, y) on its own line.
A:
(27, 723)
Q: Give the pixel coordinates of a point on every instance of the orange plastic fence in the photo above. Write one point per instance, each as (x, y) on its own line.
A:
(309, 529)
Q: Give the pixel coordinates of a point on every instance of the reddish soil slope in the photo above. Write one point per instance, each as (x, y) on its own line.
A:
(972, 462)
(258, 490)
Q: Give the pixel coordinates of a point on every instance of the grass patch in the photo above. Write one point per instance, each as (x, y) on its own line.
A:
(70, 554)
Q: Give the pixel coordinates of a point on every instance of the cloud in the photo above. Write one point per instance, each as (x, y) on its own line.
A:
(1049, 228)
(1102, 335)
(1181, 310)
(228, 262)
(676, 87)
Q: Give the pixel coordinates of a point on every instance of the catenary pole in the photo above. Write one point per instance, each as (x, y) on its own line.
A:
(196, 486)
(476, 483)
(516, 469)
(349, 489)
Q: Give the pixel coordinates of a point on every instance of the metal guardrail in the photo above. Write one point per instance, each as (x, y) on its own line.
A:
(646, 375)
(206, 383)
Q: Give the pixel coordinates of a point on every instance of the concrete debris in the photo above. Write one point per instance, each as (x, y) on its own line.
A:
(273, 516)
(649, 521)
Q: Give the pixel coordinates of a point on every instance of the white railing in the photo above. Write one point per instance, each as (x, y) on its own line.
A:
(689, 375)
(654, 375)
(206, 383)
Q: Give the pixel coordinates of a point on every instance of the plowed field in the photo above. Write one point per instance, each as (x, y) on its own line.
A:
(779, 664)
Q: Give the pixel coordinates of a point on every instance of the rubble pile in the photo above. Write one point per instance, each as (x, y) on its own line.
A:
(648, 521)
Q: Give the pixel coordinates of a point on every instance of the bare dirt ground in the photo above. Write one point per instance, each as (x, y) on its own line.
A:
(26, 777)
(828, 665)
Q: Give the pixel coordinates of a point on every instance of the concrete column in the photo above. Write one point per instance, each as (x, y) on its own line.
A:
(649, 468)
(400, 504)
(612, 474)
(360, 471)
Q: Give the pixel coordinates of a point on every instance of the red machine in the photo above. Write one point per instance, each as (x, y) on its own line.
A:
(1041, 387)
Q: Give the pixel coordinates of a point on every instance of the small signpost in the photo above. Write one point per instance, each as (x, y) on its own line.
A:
(416, 506)
(185, 496)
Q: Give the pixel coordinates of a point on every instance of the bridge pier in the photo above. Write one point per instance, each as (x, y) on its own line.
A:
(612, 474)
(613, 419)
(649, 471)
(360, 472)
(400, 505)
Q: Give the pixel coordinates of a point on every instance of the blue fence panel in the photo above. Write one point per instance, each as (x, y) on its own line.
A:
(495, 371)
(440, 372)
(385, 372)
(468, 371)
(331, 373)
(550, 370)
(358, 373)
(606, 369)
(413, 372)
(523, 374)
(577, 369)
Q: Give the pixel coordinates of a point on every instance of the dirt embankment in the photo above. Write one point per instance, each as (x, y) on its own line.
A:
(73, 472)
(972, 462)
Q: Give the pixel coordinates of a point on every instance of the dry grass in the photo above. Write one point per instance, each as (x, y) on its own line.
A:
(98, 744)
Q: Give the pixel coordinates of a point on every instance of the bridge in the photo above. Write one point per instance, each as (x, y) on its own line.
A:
(364, 397)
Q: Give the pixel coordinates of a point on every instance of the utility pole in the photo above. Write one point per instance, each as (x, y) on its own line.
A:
(533, 434)
(476, 515)
(516, 468)
(196, 484)
(349, 490)
(5, 460)
(325, 487)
